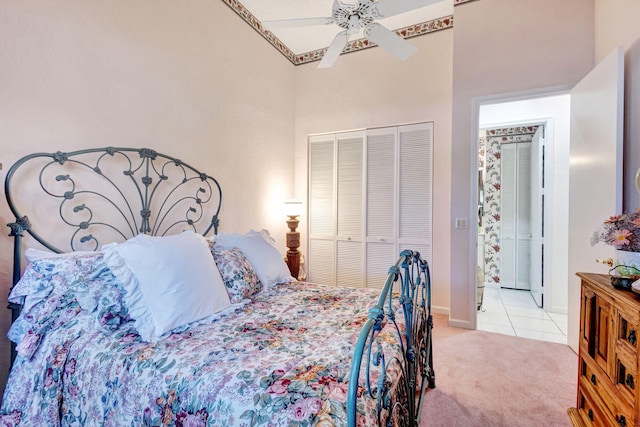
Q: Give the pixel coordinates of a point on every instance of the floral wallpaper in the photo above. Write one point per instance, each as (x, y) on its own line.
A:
(491, 141)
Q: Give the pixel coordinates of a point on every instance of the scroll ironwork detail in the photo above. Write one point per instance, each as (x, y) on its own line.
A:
(123, 191)
(404, 307)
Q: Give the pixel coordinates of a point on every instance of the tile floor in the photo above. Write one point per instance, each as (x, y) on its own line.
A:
(514, 312)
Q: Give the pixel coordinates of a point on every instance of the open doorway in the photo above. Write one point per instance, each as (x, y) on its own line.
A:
(523, 168)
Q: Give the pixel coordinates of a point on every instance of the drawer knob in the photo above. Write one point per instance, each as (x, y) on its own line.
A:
(590, 414)
(629, 380)
(632, 337)
(622, 421)
(593, 379)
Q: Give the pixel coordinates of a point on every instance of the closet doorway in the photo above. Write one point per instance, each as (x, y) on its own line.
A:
(523, 169)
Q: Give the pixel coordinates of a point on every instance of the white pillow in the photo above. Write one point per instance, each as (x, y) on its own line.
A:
(260, 250)
(171, 281)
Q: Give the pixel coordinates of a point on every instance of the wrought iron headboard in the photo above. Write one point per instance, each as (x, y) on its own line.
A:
(112, 192)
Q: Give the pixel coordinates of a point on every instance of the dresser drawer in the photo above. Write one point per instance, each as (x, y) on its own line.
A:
(625, 375)
(589, 413)
(599, 409)
(614, 400)
(628, 330)
(594, 381)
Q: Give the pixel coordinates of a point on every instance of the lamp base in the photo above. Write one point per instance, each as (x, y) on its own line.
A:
(293, 262)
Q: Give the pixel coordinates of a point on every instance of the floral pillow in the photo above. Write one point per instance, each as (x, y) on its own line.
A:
(109, 294)
(260, 249)
(237, 273)
(54, 290)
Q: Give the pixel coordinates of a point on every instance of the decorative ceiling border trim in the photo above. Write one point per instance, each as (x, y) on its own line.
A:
(360, 44)
(494, 132)
(353, 46)
(248, 17)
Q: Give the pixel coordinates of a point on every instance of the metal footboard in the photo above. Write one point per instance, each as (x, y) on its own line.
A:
(406, 293)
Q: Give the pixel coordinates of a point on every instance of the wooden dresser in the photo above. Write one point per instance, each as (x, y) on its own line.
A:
(608, 355)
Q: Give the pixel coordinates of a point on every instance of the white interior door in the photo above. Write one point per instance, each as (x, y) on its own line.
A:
(537, 195)
(322, 252)
(380, 236)
(415, 189)
(508, 215)
(349, 199)
(523, 242)
(595, 171)
(515, 227)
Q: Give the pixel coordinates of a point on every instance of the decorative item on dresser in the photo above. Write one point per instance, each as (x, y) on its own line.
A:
(622, 232)
(608, 355)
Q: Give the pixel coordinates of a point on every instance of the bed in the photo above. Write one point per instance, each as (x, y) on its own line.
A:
(138, 311)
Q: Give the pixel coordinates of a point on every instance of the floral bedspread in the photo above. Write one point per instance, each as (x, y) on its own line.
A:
(281, 360)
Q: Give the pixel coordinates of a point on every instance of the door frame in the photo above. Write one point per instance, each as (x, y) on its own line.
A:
(477, 102)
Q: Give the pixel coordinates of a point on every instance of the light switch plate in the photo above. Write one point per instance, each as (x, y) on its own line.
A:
(461, 222)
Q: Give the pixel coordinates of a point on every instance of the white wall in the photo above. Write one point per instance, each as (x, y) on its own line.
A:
(555, 111)
(504, 46)
(172, 76)
(616, 24)
(372, 88)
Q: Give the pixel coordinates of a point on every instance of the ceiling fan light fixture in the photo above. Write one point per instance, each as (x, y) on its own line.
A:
(354, 24)
(356, 15)
(352, 16)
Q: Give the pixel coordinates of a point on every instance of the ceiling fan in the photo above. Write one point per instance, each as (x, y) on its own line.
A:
(356, 15)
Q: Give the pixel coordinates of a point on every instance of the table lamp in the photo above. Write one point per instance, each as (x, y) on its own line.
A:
(293, 209)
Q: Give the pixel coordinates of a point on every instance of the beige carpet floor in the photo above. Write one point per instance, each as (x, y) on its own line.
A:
(488, 379)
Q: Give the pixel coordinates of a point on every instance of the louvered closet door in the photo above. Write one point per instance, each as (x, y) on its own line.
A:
(508, 215)
(415, 188)
(321, 257)
(380, 240)
(349, 260)
(523, 252)
(369, 198)
(515, 226)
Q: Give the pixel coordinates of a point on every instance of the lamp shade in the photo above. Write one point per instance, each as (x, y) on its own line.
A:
(293, 208)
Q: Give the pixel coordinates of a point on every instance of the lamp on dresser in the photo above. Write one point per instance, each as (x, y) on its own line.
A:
(293, 209)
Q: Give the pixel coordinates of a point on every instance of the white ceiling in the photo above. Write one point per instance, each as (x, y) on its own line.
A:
(307, 39)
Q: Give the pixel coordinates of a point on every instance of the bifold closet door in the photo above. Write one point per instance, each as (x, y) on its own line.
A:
(321, 256)
(415, 189)
(369, 198)
(515, 210)
(336, 209)
(349, 193)
(380, 241)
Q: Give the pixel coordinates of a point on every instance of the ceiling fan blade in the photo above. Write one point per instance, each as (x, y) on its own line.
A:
(277, 24)
(390, 41)
(388, 8)
(334, 50)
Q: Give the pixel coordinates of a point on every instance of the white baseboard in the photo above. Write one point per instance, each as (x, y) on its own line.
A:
(557, 309)
(457, 323)
(438, 309)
